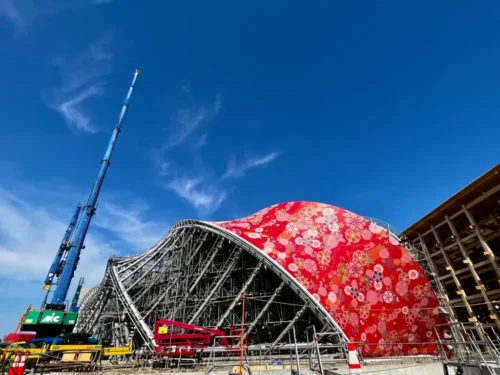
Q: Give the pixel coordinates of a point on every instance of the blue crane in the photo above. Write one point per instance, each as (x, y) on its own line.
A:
(68, 255)
(58, 263)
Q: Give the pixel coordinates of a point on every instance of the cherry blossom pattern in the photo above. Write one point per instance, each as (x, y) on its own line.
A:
(360, 274)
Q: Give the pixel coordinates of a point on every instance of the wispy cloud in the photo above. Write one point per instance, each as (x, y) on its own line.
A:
(12, 14)
(203, 191)
(205, 197)
(202, 187)
(130, 224)
(202, 141)
(72, 112)
(28, 229)
(32, 223)
(82, 78)
(238, 169)
(187, 121)
(22, 14)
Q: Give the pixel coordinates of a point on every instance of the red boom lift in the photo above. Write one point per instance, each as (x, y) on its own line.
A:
(174, 339)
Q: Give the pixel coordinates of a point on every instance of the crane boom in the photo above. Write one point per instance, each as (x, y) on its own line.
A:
(76, 297)
(76, 244)
(55, 268)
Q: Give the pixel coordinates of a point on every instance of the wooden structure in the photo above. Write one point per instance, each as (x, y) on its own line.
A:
(462, 237)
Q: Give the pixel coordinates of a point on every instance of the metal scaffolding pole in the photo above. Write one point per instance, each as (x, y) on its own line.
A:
(264, 309)
(238, 296)
(149, 254)
(290, 325)
(221, 280)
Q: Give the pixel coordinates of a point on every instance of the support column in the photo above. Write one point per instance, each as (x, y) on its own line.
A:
(441, 291)
(235, 257)
(238, 296)
(208, 263)
(449, 268)
(289, 326)
(487, 250)
(479, 284)
(264, 309)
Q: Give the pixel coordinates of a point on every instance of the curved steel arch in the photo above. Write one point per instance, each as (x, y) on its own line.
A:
(161, 282)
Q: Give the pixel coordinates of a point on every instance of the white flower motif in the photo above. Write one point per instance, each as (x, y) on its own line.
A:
(328, 211)
(258, 230)
(332, 297)
(313, 233)
(333, 227)
(292, 267)
(374, 228)
(388, 297)
(394, 241)
(413, 274)
(254, 235)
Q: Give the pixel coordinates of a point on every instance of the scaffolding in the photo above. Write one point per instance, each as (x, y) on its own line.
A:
(197, 274)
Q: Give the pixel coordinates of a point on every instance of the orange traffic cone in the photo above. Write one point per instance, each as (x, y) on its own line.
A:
(14, 365)
(22, 364)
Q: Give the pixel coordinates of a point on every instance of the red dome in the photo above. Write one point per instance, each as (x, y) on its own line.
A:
(363, 277)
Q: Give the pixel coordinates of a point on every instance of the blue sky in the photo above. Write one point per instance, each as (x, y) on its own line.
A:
(382, 108)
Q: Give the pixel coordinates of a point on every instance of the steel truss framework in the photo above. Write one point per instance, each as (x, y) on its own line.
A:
(197, 274)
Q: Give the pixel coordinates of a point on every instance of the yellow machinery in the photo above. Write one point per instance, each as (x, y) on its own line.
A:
(59, 351)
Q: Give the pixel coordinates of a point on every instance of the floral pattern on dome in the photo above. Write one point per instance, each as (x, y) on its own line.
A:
(363, 277)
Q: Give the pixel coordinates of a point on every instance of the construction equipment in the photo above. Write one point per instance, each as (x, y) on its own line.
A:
(53, 318)
(69, 260)
(63, 349)
(174, 339)
(74, 304)
(53, 321)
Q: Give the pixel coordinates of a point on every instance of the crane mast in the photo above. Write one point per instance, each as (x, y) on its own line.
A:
(68, 255)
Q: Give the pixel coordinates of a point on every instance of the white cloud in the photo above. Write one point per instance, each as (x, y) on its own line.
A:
(29, 238)
(187, 121)
(22, 14)
(235, 169)
(73, 114)
(202, 141)
(82, 78)
(203, 196)
(30, 234)
(130, 225)
(12, 14)
(33, 220)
